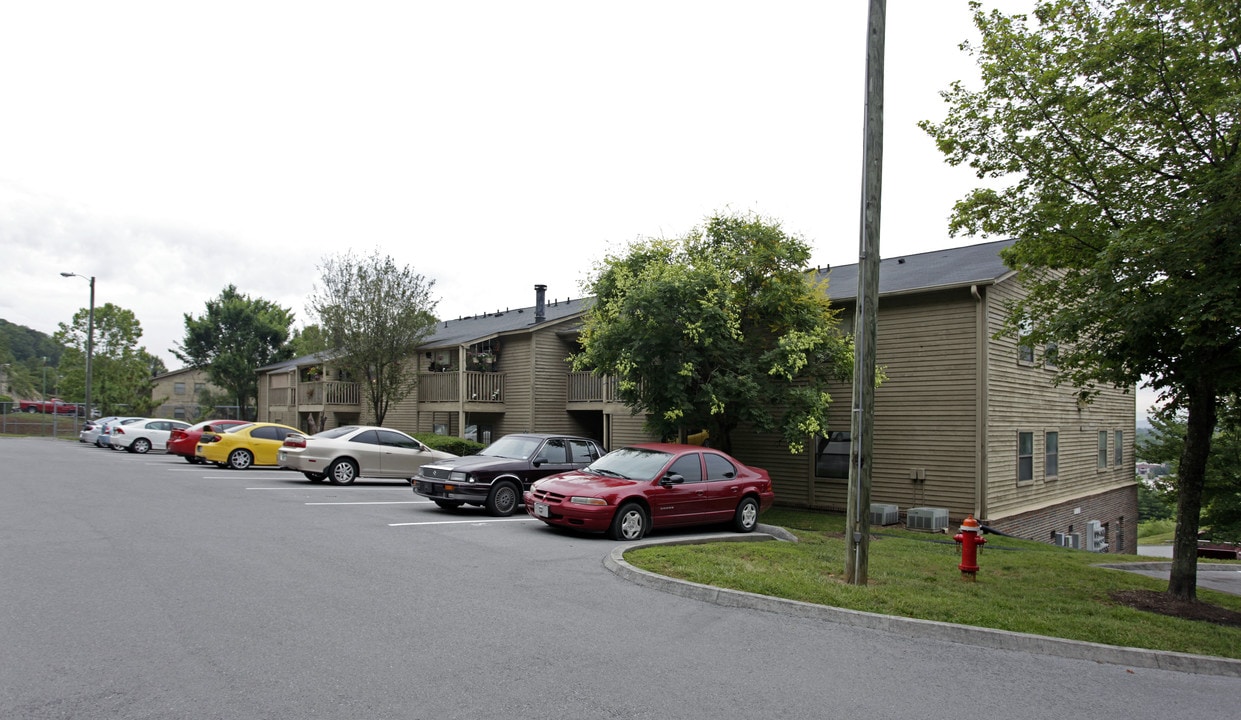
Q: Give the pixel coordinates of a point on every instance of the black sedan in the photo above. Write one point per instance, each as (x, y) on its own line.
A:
(497, 477)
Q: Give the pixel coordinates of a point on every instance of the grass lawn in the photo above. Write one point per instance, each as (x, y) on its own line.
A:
(1022, 586)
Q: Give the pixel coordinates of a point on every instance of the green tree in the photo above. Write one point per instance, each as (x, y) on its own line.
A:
(236, 335)
(121, 370)
(715, 329)
(308, 341)
(375, 315)
(1118, 123)
(1221, 491)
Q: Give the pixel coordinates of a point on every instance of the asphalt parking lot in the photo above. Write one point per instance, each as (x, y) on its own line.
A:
(145, 587)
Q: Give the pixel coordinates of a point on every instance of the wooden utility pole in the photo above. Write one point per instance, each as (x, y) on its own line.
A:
(857, 531)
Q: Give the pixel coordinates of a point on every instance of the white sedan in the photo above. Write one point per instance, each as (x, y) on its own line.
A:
(346, 453)
(145, 435)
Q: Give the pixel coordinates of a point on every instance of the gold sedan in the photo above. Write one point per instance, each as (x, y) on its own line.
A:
(240, 446)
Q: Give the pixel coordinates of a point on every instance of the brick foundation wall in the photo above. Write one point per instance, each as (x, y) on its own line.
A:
(1116, 509)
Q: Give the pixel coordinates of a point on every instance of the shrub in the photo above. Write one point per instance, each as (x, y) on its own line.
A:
(451, 444)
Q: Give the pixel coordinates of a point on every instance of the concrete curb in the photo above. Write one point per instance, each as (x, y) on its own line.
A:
(964, 634)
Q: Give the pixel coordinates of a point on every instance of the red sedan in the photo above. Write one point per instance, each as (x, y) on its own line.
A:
(184, 442)
(653, 485)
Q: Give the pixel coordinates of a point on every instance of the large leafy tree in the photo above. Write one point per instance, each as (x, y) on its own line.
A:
(375, 315)
(236, 335)
(121, 370)
(1118, 125)
(1221, 491)
(717, 328)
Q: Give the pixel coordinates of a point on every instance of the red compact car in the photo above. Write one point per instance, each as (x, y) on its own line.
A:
(653, 485)
(183, 442)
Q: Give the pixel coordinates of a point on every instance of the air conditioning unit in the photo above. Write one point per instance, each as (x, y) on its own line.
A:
(1069, 540)
(927, 519)
(884, 514)
(1096, 536)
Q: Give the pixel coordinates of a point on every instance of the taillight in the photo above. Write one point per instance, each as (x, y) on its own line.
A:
(118, 431)
(295, 441)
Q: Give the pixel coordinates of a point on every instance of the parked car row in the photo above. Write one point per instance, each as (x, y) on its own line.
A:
(564, 481)
(136, 434)
(570, 482)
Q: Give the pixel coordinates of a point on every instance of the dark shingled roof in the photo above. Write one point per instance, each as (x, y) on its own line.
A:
(475, 327)
(935, 270)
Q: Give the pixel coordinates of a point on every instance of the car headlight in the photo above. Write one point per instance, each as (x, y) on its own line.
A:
(459, 476)
(579, 500)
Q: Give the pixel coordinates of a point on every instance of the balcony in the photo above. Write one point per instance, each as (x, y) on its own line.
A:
(588, 389)
(445, 387)
(326, 393)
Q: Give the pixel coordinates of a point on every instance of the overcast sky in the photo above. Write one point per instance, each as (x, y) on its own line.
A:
(170, 149)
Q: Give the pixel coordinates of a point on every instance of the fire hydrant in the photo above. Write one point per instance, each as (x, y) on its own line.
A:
(971, 539)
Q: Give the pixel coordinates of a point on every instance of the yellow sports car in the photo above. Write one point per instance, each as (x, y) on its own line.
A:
(240, 446)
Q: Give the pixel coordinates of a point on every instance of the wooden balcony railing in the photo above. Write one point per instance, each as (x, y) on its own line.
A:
(480, 387)
(329, 392)
(588, 387)
(282, 397)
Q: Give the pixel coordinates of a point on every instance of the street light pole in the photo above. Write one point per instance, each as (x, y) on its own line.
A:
(90, 336)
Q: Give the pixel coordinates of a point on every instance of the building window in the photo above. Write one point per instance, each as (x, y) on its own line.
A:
(179, 412)
(1050, 354)
(1025, 351)
(1025, 456)
(831, 456)
(1102, 449)
(199, 387)
(178, 388)
(1118, 457)
(1051, 454)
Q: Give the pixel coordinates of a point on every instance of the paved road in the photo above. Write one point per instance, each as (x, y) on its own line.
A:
(143, 587)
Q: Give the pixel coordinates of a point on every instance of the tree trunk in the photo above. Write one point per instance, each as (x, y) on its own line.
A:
(1190, 478)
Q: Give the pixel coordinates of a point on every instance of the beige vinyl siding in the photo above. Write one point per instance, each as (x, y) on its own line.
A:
(1023, 398)
(626, 429)
(925, 413)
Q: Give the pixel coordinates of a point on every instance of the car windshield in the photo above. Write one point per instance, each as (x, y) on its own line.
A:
(631, 464)
(515, 447)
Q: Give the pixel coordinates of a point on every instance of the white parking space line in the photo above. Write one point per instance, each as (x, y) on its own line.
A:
(478, 521)
(383, 502)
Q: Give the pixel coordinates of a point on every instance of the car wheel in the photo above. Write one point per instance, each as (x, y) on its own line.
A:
(191, 459)
(314, 476)
(140, 445)
(448, 504)
(342, 471)
(746, 517)
(502, 500)
(31, 410)
(240, 459)
(629, 523)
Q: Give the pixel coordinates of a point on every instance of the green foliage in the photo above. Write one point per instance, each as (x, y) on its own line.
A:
(308, 341)
(121, 370)
(236, 335)
(374, 316)
(717, 328)
(26, 345)
(1221, 491)
(450, 444)
(1153, 504)
(1118, 125)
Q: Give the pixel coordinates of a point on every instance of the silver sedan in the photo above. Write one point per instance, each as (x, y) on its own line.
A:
(346, 453)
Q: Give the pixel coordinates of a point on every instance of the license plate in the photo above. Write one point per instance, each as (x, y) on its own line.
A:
(540, 509)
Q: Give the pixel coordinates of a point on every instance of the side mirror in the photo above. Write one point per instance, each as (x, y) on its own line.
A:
(538, 461)
(671, 479)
